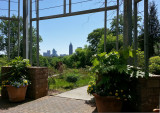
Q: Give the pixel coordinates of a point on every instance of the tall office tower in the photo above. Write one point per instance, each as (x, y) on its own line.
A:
(70, 49)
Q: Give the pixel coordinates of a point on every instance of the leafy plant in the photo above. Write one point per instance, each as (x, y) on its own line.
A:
(154, 66)
(73, 78)
(18, 75)
(113, 74)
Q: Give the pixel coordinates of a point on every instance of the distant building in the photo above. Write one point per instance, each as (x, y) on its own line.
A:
(48, 53)
(70, 49)
(63, 55)
(79, 47)
(54, 52)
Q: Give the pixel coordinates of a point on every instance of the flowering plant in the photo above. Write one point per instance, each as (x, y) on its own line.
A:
(113, 76)
(18, 73)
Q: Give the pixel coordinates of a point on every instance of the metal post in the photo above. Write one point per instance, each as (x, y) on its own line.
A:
(18, 27)
(117, 30)
(127, 29)
(105, 26)
(130, 22)
(9, 6)
(146, 55)
(70, 6)
(25, 29)
(37, 25)
(135, 31)
(30, 45)
(64, 6)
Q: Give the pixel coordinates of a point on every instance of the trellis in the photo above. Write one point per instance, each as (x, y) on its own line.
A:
(127, 36)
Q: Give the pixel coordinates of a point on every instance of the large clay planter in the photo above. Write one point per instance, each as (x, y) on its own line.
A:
(16, 94)
(107, 103)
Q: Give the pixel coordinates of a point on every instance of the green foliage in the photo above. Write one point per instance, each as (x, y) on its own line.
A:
(18, 75)
(113, 74)
(154, 65)
(153, 30)
(94, 38)
(60, 82)
(110, 43)
(121, 22)
(14, 39)
(73, 78)
(140, 57)
(80, 59)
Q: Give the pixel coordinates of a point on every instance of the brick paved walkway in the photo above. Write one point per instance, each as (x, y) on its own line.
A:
(48, 104)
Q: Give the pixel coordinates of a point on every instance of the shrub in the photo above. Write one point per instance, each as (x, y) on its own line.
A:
(154, 65)
(140, 58)
(51, 80)
(72, 78)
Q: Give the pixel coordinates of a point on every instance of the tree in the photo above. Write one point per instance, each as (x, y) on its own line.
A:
(121, 22)
(94, 38)
(13, 37)
(110, 43)
(153, 30)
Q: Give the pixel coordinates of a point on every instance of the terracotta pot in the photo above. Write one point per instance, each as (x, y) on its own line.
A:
(107, 103)
(16, 94)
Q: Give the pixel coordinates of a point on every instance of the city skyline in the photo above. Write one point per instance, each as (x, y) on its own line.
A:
(54, 52)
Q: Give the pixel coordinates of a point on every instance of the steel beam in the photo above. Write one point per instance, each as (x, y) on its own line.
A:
(135, 31)
(146, 53)
(25, 29)
(105, 26)
(76, 13)
(117, 26)
(64, 7)
(37, 27)
(9, 6)
(136, 1)
(18, 27)
(31, 40)
(70, 6)
(127, 29)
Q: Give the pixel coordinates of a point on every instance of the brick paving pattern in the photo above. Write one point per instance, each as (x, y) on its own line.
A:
(47, 104)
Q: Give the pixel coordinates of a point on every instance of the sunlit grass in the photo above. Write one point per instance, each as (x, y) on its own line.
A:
(59, 82)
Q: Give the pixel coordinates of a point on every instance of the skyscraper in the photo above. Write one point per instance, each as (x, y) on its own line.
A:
(54, 52)
(70, 49)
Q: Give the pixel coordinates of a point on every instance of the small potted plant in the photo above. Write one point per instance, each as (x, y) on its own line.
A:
(17, 81)
(112, 83)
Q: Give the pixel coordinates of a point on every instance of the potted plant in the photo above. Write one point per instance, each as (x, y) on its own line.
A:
(17, 81)
(112, 83)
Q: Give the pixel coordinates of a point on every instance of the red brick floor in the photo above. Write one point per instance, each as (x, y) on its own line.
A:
(48, 104)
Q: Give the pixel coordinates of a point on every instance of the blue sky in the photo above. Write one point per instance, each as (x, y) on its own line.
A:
(58, 33)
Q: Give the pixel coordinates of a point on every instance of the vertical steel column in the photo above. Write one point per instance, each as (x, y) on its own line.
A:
(31, 40)
(25, 29)
(117, 29)
(146, 55)
(130, 22)
(125, 24)
(70, 6)
(37, 25)
(105, 26)
(135, 31)
(9, 6)
(18, 27)
(127, 29)
(64, 6)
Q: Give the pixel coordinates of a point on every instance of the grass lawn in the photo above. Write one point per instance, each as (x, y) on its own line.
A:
(61, 83)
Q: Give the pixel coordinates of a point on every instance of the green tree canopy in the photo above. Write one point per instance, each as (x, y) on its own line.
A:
(94, 38)
(153, 30)
(14, 37)
(121, 22)
(110, 43)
